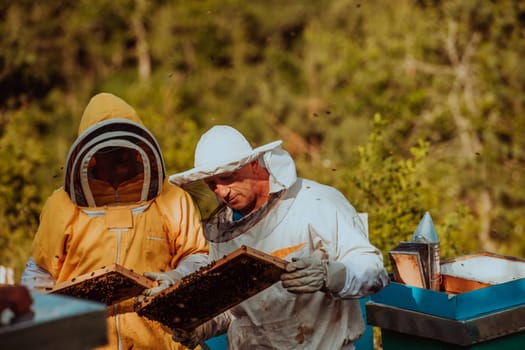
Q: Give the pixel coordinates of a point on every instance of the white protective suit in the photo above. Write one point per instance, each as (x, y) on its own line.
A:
(305, 218)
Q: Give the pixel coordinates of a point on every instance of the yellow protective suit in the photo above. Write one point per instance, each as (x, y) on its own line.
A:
(157, 229)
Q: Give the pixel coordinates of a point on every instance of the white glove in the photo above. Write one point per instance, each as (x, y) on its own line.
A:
(311, 274)
(164, 279)
(36, 278)
(189, 339)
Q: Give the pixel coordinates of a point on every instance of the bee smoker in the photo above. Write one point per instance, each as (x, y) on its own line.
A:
(420, 253)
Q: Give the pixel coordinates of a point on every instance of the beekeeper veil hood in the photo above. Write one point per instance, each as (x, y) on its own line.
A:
(223, 149)
(109, 122)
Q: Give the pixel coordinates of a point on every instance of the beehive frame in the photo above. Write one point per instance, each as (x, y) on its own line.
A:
(213, 289)
(108, 285)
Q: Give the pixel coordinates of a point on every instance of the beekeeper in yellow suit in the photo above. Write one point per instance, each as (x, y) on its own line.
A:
(116, 206)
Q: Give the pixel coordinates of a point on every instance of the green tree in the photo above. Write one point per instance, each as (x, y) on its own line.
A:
(447, 76)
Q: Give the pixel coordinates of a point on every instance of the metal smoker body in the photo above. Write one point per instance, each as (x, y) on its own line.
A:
(425, 234)
(417, 262)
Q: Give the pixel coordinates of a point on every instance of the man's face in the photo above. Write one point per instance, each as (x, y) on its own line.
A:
(243, 190)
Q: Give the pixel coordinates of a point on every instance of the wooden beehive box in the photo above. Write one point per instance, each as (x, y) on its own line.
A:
(108, 285)
(213, 289)
(484, 269)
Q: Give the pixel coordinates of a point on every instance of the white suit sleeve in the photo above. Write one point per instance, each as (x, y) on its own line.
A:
(365, 272)
(214, 327)
(35, 277)
(343, 236)
(364, 276)
(192, 263)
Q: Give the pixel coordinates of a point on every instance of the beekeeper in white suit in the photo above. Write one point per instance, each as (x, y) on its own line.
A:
(264, 205)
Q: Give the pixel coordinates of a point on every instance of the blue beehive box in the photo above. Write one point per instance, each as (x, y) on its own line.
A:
(501, 282)
(482, 299)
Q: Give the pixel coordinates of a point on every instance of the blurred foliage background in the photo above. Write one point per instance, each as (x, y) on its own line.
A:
(406, 106)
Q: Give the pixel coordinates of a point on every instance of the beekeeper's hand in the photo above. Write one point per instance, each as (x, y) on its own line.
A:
(311, 274)
(164, 279)
(189, 339)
